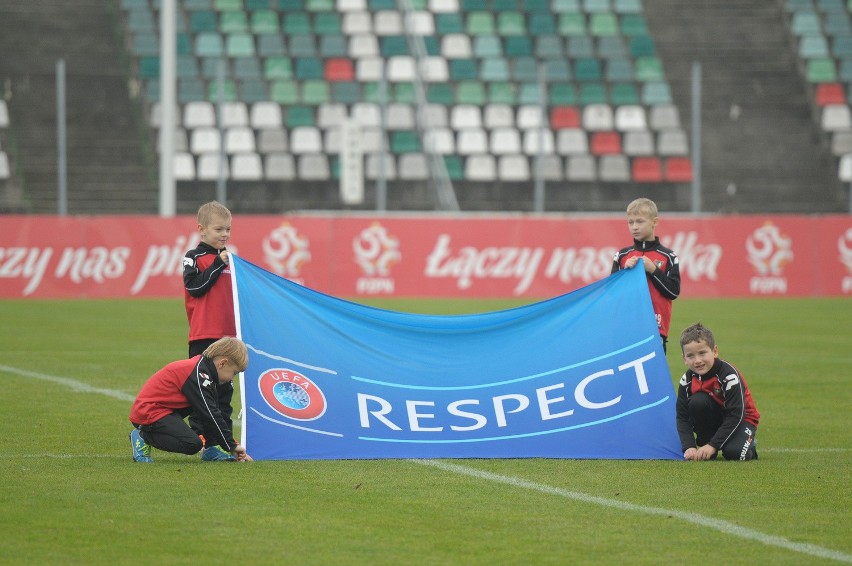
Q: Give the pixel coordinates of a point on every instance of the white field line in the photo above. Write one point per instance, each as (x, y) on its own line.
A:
(725, 527)
(700, 520)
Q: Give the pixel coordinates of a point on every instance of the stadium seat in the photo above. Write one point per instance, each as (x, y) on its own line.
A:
(639, 142)
(513, 168)
(471, 142)
(439, 140)
(387, 22)
(305, 139)
(204, 140)
(246, 167)
(630, 117)
(821, 70)
(678, 170)
(234, 114)
(530, 116)
(844, 168)
(598, 117)
(314, 167)
(504, 141)
(663, 117)
(184, 167)
(413, 167)
(456, 46)
(380, 166)
(581, 168)
(538, 142)
(405, 141)
(841, 142)
(265, 115)
(605, 143)
(614, 168)
(564, 117)
(672, 142)
(464, 116)
(209, 165)
(480, 167)
(399, 117)
(435, 116)
(647, 170)
(498, 116)
(273, 141)
(572, 141)
(339, 69)
(367, 114)
(331, 115)
(239, 140)
(836, 117)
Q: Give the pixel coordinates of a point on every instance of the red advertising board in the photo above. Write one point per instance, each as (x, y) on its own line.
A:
(427, 256)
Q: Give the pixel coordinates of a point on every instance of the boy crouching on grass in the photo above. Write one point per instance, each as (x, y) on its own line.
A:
(715, 410)
(189, 387)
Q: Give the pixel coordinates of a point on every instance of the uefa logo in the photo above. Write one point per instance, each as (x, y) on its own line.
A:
(291, 394)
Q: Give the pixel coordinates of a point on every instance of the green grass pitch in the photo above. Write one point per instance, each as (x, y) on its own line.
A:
(70, 493)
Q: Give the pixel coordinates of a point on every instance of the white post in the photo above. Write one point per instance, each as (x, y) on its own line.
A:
(168, 102)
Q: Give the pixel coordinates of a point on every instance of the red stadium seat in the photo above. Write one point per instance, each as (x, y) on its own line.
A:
(830, 93)
(647, 170)
(339, 70)
(605, 143)
(562, 117)
(678, 169)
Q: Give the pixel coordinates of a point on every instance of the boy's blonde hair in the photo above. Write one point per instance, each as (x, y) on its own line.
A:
(643, 205)
(231, 348)
(697, 333)
(209, 210)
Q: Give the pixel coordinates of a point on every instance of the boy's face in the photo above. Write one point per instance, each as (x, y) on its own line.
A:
(641, 226)
(226, 369)
(699, 356)
(217, 232)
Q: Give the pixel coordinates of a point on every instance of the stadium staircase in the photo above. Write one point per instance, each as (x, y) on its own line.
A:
(106, 148)
(762, 147)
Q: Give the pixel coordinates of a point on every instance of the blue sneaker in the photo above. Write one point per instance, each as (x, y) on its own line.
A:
(141, 449)
(216, 454)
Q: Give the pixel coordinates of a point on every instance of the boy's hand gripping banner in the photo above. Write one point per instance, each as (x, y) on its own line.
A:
(582, 375)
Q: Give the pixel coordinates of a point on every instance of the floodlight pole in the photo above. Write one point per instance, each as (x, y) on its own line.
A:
(61, 145)
(168, 103)
(696, 137)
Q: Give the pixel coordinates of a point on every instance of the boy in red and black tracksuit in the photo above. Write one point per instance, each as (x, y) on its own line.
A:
(208, 295)
(188, 387)
(715, 410)
(660, 263)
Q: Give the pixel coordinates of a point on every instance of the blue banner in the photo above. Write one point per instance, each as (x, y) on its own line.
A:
(582, 375)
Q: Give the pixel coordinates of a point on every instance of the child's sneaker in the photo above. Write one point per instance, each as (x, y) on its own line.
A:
(216, 454)
(141, 449)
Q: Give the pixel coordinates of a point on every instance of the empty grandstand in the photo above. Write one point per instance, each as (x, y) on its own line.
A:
(590, 99)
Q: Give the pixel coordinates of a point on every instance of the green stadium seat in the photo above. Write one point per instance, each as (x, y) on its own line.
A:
(149, 67)
(240, 45)
(485, 46)
(455, 168)
(511, 23)
(186, 67)
(404, 93)
(480, 23)
(845, 71)
(471, 92)
(277, 68)
(209, 44)
(210, 67)
(463, 69)
(563, 6)
(141, 21)
(542, 23)
(327, 23)
(654, 93)
(620, 69)
(202, 21)
(536, 6)
(548, 47)
(612, 46)
(811, 46)
(270, 44)
(525, 69)
(284, 92)
(805, 23)
(563, 94)
(404, 141)
(627, 6)
(572, 23)
(494, 69)
(264, 21)
(191, 5)
(504, 5)
(228, 5)
(581, 46)
(624, 93)
(587, 69)
(297, 23)
(474, 5)
(440, 93)
(649, 69)
(229, 90)
(190, 89)
(556, 70)
(502, 93)
(333, 46)
(391, 45)
(303, 46)
(298, 116)
(247, 68)
(146, 44)
(319, 5)
(821, 70)
(253, 90)
(530, 93)
(381, 5)
(291, 5)
(596, 6)
(255, 5)
(593, 93)
(309, 68)
(841, 47)
(184, 44)
(633, 24)
(449, 22)
(519, 46)
(233, 22)
(642, 46)
(348, 92)
(838, 26)
(604, 24)
(315, 92)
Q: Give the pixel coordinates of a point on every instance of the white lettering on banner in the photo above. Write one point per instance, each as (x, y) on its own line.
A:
(28, 263)
(97, 263)
(768, 285)
(491, 262)
(374, 285)
(163, 260)
(587, 264)
(696, 260)
(847, 285)
(380, 409)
